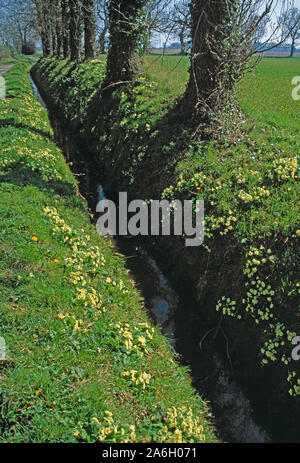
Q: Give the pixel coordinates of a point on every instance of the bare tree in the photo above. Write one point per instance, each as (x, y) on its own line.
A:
(154, 18)
(291, 26)
(19, 24)
(180, 23)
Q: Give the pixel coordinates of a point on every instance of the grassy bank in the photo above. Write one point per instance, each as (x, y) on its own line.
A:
(248, 179)
(12, 59)
(83, 362)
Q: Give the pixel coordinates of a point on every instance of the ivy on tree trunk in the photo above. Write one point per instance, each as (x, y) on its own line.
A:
(75, 29)
(124, 30)
(44, 21)
(89, 28)
(58, 28)
(65, 13)
(203, 91)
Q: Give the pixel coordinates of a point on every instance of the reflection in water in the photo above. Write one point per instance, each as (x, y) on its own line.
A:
(37, 93)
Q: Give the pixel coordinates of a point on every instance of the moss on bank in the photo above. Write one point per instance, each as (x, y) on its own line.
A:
(83, 363)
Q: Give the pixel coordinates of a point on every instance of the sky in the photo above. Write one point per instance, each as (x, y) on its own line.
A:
(159, 39)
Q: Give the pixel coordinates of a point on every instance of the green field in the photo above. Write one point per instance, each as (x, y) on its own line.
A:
(264, 93)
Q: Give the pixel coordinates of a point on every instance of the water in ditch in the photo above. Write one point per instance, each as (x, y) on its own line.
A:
(168, 309)
(171, 311)
(37, 93)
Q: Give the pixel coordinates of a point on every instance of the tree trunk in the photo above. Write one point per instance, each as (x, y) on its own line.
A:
(65, 28)
(49, 45)
(102, 40)
(44, 44)
(146, 39)
(182, 43)
(75, 29)
(121, 61)
(88, 7)
(58, 28)
(292, 47)
(48, 38)
(42, 8)
(203, 91)
(53, 28)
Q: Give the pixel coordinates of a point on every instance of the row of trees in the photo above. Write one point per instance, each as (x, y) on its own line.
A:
(90, 19)
(64, 25)
(224, 36)
(291, 26)
(18, 22)
(22, 23)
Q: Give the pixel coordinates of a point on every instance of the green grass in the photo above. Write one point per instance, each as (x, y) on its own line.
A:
(170, 71)
(272, 141)
(84, 81)
(13, 59)
(265, 94)
(247, 177)
(5, 55)
(70, 315)
(7, 61)
(250, 190)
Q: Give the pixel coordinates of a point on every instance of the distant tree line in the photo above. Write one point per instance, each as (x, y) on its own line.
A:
(78, 28)
(67, 28)
(18, 26)
(291, 26)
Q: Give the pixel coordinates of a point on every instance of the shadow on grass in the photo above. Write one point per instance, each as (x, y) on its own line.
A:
(50, 66)
(23, 176)
(10, 122)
